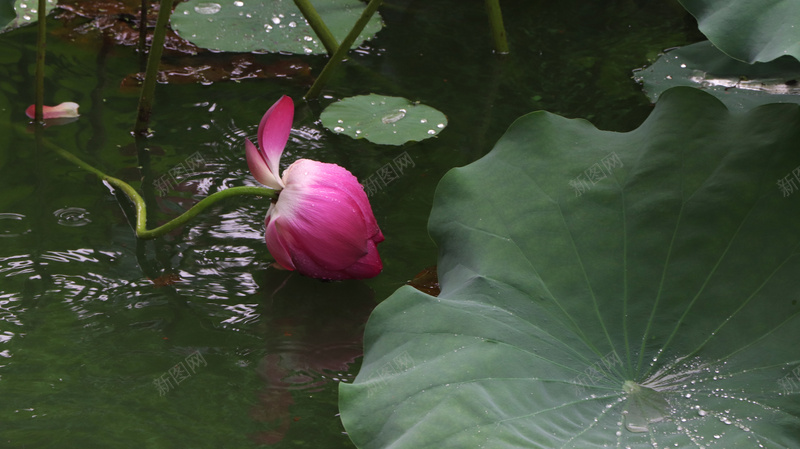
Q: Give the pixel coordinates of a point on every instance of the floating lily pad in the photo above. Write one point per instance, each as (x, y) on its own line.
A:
(748, 30)
(24, 12)
(739, 85)
(266, 25)
(602, 290)
(383, 120)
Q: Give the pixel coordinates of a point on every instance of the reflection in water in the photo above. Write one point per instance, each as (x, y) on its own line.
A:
(314, 335)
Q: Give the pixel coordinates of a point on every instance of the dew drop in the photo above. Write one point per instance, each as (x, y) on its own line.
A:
(338, 129)
(440, 126)
(208, 8)
(424, 120)
(431, 132)
(238, 3)
(292, 24)
(276, 20)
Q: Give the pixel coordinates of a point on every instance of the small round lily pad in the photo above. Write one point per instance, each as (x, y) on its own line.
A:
(383, 120)
(266, 25)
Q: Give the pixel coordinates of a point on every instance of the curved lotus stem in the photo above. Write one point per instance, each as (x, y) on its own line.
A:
(140, 206)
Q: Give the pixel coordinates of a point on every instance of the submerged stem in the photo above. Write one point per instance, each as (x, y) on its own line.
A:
(342, 50)
(142, 45)
(151, 74)
(141, 208)
(41, 46)
(498, 30)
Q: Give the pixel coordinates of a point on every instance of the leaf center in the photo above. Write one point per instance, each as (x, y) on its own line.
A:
(644, 406)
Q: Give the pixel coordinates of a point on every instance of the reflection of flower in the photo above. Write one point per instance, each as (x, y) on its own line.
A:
(64, 110)
(312, 341)
(322, 224)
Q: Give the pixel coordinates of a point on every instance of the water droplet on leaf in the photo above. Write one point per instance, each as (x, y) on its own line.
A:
(394, 116)
(208, 8)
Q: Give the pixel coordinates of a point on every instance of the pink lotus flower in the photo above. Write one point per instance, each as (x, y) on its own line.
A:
(321, 224)
(64, 110)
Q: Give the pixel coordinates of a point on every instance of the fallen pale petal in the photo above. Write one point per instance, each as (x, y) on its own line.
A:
(67, 109)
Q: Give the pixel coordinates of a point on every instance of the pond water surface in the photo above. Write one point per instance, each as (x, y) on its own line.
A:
(194, 339)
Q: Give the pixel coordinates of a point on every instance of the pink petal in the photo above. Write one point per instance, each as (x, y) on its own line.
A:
(275, 243)
(64, 110)
(324, 222)
(259, 168)
(273, 132)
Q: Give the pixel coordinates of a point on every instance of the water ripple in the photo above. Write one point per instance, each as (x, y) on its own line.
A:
(72, 216)
(12, 225)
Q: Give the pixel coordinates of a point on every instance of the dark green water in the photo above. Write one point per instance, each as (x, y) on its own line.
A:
(85, 332)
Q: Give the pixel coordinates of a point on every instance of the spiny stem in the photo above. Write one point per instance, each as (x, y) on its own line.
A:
(498, 30)
(40, 52)
(344, 47)
(153, 61)
(318, 25)
(141, 208)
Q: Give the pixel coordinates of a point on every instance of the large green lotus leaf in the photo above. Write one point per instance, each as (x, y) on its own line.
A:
(383, 120)
(266, 25)
(602, 289)
(750, 30)
(740, 86)
(14, 14)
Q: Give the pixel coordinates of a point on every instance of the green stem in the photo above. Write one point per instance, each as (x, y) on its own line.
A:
(141, 208)
(344, 47)
(143, 36)
(318, 25)
(40, 52)
(498, 30)
(153, 61)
